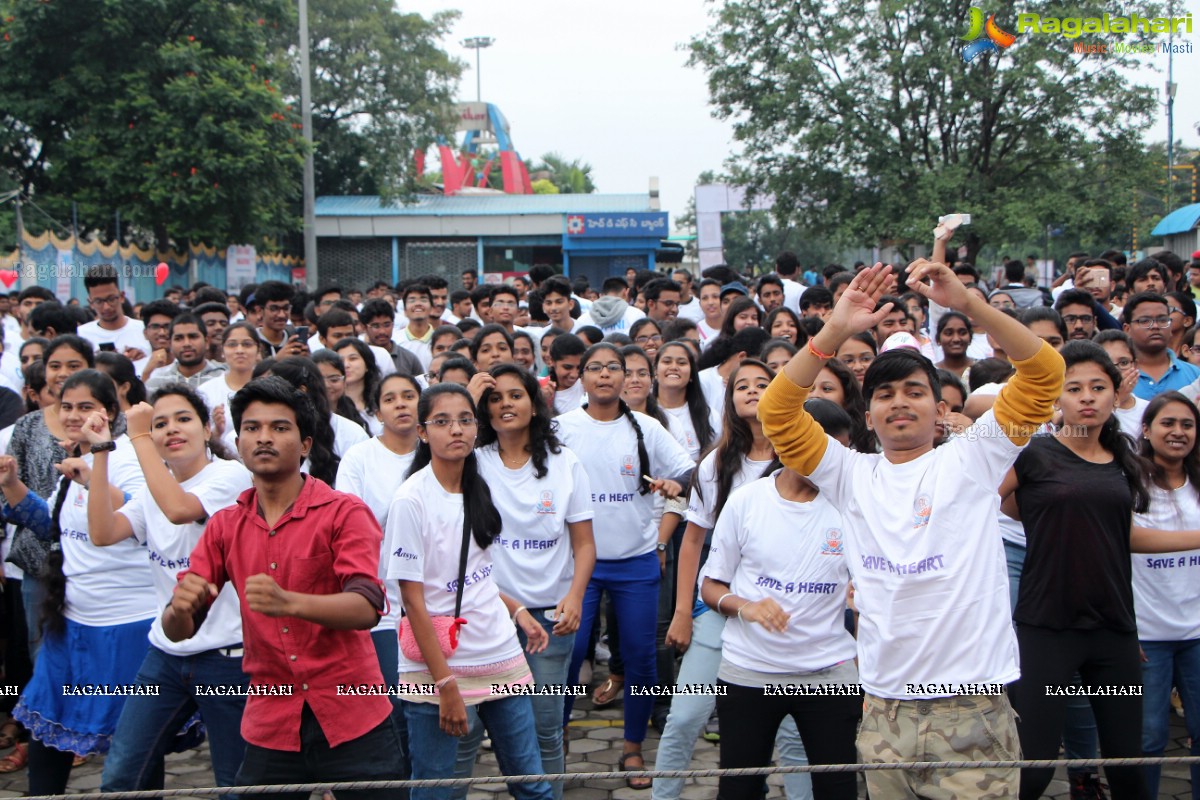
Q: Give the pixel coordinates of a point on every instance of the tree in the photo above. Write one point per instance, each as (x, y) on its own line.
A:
(382, 88)
(872, 128)
(168, 113)
(571, 177)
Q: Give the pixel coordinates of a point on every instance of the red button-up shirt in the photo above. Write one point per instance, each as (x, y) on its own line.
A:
(326, 539)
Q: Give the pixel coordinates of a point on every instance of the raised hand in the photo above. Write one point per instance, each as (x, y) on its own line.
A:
(943, 287)
(137, 419)
(855, 310)
(9, 471)
(95, 428)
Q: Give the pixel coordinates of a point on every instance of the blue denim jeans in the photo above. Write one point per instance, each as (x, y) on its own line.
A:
(148, 724)
(690, 712)
(1167, 664)
(549, 668)
(632, 586)
(509, 721)
(387, 650)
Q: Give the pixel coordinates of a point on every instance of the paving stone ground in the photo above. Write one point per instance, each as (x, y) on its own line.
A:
(596, 737)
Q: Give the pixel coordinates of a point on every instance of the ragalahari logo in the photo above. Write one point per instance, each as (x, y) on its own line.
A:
(996, 40)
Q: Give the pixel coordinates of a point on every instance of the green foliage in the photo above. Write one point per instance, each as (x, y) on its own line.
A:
(168, 112)
(871, 129)
(382, 88)
(570, 177)
(543, 186)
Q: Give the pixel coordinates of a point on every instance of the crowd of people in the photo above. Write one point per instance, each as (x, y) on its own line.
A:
(878, 514)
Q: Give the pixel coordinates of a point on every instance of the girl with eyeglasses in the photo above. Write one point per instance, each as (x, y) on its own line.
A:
(1130, 407)
(444, 507)
(857, 353)
(646, 334)
(629, 457)
(243, 349)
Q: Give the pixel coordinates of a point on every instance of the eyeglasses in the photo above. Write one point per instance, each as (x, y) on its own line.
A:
(106, 301)
(503, 304)
(380, 326)
(1124, 363)
(444, 423)
(611, 367)
(1086, 319)
(280, 308)
(334, 380)
(1153, 322)
(656, 338)
(158, 326)
(1175, 310)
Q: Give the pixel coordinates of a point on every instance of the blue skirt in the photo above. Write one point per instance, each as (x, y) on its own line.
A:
(53, 707)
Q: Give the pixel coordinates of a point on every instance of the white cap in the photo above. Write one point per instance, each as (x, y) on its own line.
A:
(901, 339)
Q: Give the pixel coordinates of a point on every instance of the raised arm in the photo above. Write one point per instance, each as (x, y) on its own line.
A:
(179, 506)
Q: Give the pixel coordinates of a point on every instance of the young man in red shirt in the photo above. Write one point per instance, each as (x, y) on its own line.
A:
(305, 561)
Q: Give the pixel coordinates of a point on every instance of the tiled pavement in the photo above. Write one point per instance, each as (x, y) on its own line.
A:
(595, 747)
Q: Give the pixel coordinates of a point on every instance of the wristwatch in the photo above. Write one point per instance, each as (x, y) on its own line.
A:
(104, 447)
(662, 547)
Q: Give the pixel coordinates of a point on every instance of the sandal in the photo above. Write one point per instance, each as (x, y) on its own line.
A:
(9, 732)
(630, 782)
(15, 761)
(607, 693)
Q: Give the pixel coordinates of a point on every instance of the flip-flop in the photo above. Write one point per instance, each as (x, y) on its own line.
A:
(9, 732)
(613, 687)
(629, 781)
(14, 761)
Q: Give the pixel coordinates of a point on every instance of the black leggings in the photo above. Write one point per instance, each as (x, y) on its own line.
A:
(49, 769)
(749, 721)
(1103, 658)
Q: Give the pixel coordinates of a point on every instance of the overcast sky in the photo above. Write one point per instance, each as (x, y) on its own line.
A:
(606, 82)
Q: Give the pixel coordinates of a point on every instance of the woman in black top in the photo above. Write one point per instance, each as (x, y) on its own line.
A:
(1076, 492)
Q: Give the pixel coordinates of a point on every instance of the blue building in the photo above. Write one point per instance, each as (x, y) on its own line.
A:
(360, 240)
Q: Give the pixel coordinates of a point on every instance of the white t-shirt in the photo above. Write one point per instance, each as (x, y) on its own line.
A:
(792, 292)
(928, 563)
(131, 334)
(631, 315)
(424, 531)
(533, 556)
(707, 334)
(216, 486)
(624, 524)
(691, 309)
(1130, 419)
(568, 399)
(346, 434)
(11, 571)
(702, 500)
(1166, 586)
(423, 350)
(713, 386)
(11, 376)
(373, 473)
(685, 431)
(105, 585)
(766, 546)
(216, 392)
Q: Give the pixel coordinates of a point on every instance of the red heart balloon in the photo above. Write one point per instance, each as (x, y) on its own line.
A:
(161, 272)
(8, 277)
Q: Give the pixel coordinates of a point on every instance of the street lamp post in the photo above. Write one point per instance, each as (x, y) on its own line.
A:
(477, 43)
(310, 199)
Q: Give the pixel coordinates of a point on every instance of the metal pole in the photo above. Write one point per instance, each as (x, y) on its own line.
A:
(1170, 110)
(28, 277)
(478, 77)
(310, 191)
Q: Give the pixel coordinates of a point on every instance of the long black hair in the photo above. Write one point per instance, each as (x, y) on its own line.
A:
(697, 406)
(801, 334)
(1112, 439)
(1191, 461)
(626, 411)
(482, 519)
(371, 375)
(304, 375)
(735, 443)
(121, 370)
(104, 391)
(542, 439)
(345, 406)
(484, 332)
(736, 307)
(201, 410)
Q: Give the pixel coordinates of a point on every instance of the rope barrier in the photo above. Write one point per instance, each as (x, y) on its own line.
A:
(581, 777)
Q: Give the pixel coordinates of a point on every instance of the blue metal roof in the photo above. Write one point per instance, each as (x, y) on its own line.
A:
(482, 205)
(1181, 220)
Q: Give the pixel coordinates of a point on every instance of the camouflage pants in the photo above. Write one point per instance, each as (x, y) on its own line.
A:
(969, 728)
